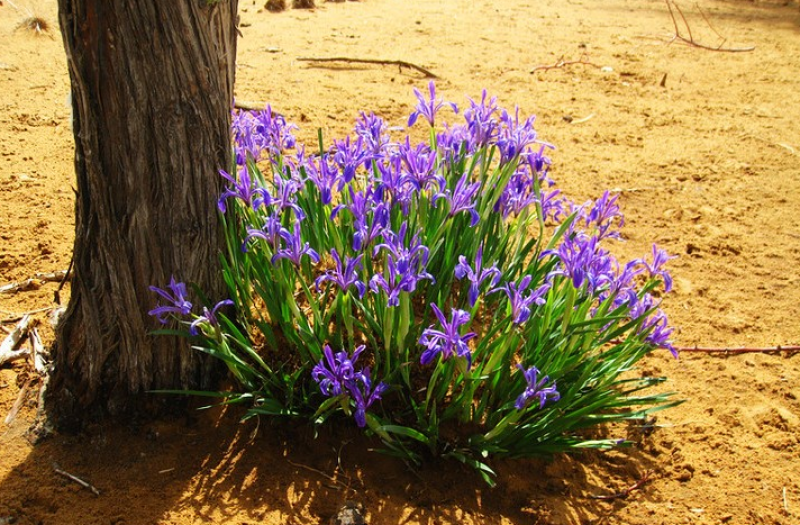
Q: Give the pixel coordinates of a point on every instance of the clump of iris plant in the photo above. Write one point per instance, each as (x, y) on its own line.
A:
(484, 309)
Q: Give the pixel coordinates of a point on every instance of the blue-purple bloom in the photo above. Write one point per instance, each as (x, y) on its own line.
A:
(427, 108)
(333, 372)
(345, 275)
(413, 258)
(349, 156)
(481, 122)
(365, 396)
(325, 176)
(461, 198)
(660, 331)
(519, 301)
(476, 275)
(270, 232)
(514, 137)
(419, 163)
(373, 130)
(604, 214)
(295, 248)
(397, 281)
(336, 375)
(582, 260)
(245, 189)
(660, 257)
(176, 301)
(208, 317)
(447, 341)
(536, 388)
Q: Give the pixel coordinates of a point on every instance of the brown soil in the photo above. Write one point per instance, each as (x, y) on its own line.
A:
(703, 146)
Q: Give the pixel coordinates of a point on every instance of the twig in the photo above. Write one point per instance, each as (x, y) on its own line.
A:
(312, 469)
(561, 63)
(39, 353)
(7, 348)
(23, 392)
(690, 41)
(786, 502)
(76, 479)
(399, 63)
(16, 317)
(34, 282)
(624, 493)
(738, 350)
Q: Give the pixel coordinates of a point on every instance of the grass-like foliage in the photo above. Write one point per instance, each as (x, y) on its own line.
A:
(441, 294)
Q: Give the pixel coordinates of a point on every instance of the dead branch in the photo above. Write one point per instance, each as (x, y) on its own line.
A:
(739, 350)
(8, 350)
(673, 7)
(399, 63)
(23, 392)
(76, 479)
(561, 63)
(40, 356)
(16, 317)
(34, 282)
(624, 493)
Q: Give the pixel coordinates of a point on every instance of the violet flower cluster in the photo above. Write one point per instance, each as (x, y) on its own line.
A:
(424, 252)
(336, 375)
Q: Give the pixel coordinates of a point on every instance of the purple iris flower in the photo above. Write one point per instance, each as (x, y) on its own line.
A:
(462, 198)
(176, 299)
(552, 207)
(413, 258)
(427, 108)
(349, 156)
(373, 130)
(517, 195)
(345, 275)
(520, 302)
(365, 396)
(476, 275)
(285, 196)
(419, 165)
(604, 213)
(395, 182)
(324, 175)
(514, 136)
(245, 189)
(334, 372)
(276, 134)
(481, 122)
(295, 248)
(396, 281)
(336, 375)
(583, 261)
(270, 232)
(660, 257)
(208, 317)
(536, 388)
(447, 341)
(660, 331)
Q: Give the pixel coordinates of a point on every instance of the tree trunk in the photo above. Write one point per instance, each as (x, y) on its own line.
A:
(152, 89)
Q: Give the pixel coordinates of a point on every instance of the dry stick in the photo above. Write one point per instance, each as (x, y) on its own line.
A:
(324, 475)
(34, 282)
(400, 63)
(624, 493)
(739, 350)
(691, 41)
(561, 63)
(17, 317)
(23, 392)
(7, 348)
(76, 479)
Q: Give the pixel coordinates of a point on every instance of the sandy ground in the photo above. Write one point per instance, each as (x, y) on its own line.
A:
(703, 146)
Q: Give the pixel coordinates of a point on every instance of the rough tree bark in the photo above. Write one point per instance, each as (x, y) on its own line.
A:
(152, 87)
